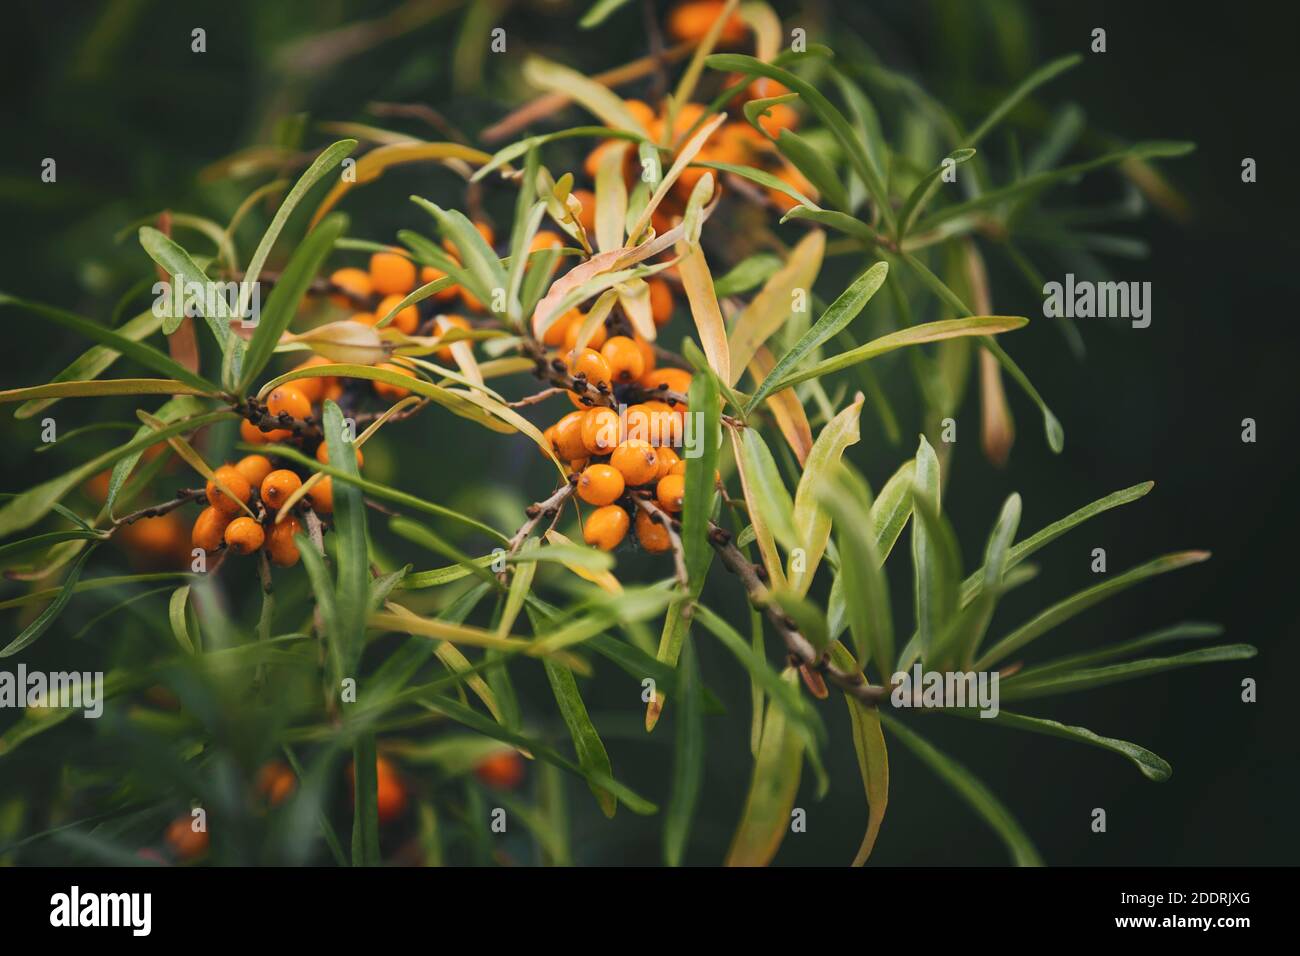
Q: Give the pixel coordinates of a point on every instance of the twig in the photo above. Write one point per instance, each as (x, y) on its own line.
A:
(751, 576)
(541, 396)
(672, 526)
(542, 509)
(185, 496)
(260, 415)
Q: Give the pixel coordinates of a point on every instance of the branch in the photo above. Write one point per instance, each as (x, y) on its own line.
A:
(542, 509)
(645, 502)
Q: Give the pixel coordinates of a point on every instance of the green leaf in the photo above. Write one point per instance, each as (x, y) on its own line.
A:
(524, 146)
(1152, 766)
(772, 790)
(811, 521)
(1063, 610)
(970, 789)
(176, 262)
(476, 256)
(840, 313)
(365, 812)
(688, 759)
(598, 12)
(282, 304)
(925, 189)
(935, 560)
(428, 538)
(146, 355)
(176, 616)
(112, 386)
(352, 550)
(1024, 88)
(1177, 632)
(597, 99)
(34, 630)
(814, 166)
(764, 316)
(764, 488)
(873, 757)
(749, 273)
(864, 589)
(807, 616)
(1065, 682)
(697, 506)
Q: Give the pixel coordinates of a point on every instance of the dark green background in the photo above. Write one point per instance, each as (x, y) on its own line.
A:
(131, 115)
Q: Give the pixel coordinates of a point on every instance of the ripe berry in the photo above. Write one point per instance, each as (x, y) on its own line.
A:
(652, 535)
(795, 179)
(670, 492)
(661, 302)
(289, 399)
(779, 116)
(391, 791)
(606, 527)
(557, 330)
(280, 543)
(365, 318)
(647, 354)
(322, 496)
(678, 469)
(276, 782)
(676, 380)
(600, 430)
(571, 334)
(668, 461)
(567, 437)
(600, 484)
(587, 217)
(406, 321)
(356, 281)
(313, 388)
(184, 842)
(278, 486)
(244, 535)
(692, 20)
(391, 273)
(209, 529)
(444, 324)
(504, 770)
(589, 363)
(652, 422)
(636, 461)
(625, 361)
(254, 468)
(323, 454)
(238, 485)
(393, 393)
(255, 436)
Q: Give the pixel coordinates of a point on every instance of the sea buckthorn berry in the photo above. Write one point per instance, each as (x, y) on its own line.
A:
(654, 422)
(679, 468)
(184, 841)
(692, 20)
(504, 770)
(600, 484)
(322, 496)
(391, 273)
(313, 388)
(446, 293)
(244, 535)
(445, 323)
(661, 301)
(647, 354)
(652, 535)
(571, 334)
(587, 217)
(288, 399)
(567, 437)
(281, 545)
(406, 321)
(254, 468)
(365, 318)
(323, 454)
(625, 361)
(484, 230)
(276, 782)
(778, 116)
(548, 434)
(676, 380)
(576, 465)
(557, 330)
(670, 492)
(545, 239)
(209, 529)
(743, 140)
(796, 180)
(391, 790)
(355, 281)
(600, 430)
(278, 486)
(637, 461)
(642, 111)
(668, 461)
(606, 527)
(472, 302)
(393, 393)
(238, 485)
(253, 435)
(591, 365)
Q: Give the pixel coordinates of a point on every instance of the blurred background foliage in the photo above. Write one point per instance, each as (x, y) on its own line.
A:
(136, 121)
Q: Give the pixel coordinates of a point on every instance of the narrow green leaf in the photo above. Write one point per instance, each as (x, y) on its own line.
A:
(935, 561)
(688, 759)
(811, 521)
(1152, 766)
(814, 166)
(1187, 631)
(926, 188)
(176, 616)
(873, 757)
(864, 590)
(34, 630)
(350, 528)
(365, 793)
(1066, 682)
(697, 506)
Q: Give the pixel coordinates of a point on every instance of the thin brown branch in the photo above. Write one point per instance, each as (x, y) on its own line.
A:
(184, 497)
(646, 503)
(548, 508)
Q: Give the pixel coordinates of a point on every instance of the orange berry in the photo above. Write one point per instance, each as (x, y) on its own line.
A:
(624, 358)
(661, 301)
(557, 331)
(323, 454)
(576, 466)
(281, 545)
(571, 334)
(637, 461)
(668, 460)
(444, 324)
(254, 468)
(647, 354)
(566, 438)
(184, 841)
(392, 392)
(545, 239)
(238, 485)
(653, 422)
(795, 179)
(590, 364)
(643, 113)
(688, 114)
(673, 379)
(652, 535)
(406, 321)
(504, 770)
(276, 782)
(430, 274)
(209, 529)
(365, 318)
(692, 20)
(606, 527)
(678, 468)
(472, 302)
(671, 492)
(779, 116)
(355, 281)
(391, 273)
(289, 399)
(600, 484)
(587, 217)
(591, 164)
(244, 535)
(600, 430)
(313, 388)
(392, 794)
(322, 496)
(278, 486)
